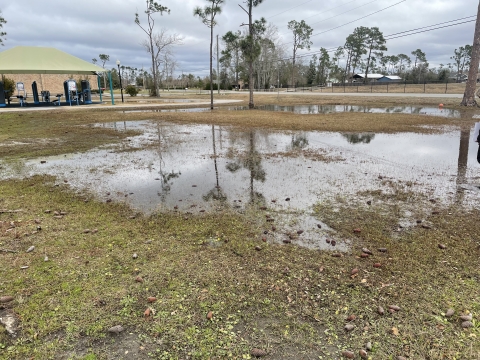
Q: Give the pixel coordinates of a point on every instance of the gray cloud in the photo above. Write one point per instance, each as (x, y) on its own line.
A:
(90, 27)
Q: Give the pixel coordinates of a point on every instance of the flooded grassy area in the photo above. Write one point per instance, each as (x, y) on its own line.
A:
(239, 233)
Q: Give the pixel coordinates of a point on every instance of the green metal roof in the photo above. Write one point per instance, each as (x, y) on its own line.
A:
(43, 60)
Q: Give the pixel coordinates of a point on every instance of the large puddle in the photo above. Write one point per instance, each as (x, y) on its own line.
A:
(328, 109)
(203, 168)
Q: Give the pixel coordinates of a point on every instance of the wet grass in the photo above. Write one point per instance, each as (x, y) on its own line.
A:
(35, 134)
(289, 301)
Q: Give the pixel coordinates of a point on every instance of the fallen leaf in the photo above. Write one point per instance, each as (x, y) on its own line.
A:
(116, 329)
(258, 353)
(394, 331)
(348, 354)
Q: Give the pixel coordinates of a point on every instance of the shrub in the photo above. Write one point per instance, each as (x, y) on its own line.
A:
(207, 86)
(131, 90)
(9, 86)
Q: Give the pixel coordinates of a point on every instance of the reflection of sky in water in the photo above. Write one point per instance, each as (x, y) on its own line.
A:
(166, 172)
(177, 168)
(327, 109)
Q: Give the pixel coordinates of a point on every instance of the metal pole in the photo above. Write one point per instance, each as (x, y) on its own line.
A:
(218, 66)
(99, 87)
(111, 87)
(120, 77)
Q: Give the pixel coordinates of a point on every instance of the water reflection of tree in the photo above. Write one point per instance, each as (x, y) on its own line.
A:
(462, 164)
(251, 161)
(216, 193)
(359, 138)
(299, 141)
(165, 177)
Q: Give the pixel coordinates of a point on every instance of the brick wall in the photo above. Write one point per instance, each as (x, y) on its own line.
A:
(50, 82)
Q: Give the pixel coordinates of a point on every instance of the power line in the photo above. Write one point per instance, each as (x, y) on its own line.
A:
(358, 7)
(424, 27)
(290, 9)
(323, 12)
(405, 34)
(440, 27)
(363, 17)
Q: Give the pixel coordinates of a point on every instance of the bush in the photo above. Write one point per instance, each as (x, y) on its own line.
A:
(207, 86)
(131, 90)
(9, 86)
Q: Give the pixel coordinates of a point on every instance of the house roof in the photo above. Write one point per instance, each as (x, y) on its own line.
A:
(43, 60)
(392, 77)
(369, 76)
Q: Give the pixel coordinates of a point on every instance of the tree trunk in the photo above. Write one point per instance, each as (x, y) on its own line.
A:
(211, 65)
(368, 65)
(154, 69)
(293, 68)
(250, 63)
(469, 95)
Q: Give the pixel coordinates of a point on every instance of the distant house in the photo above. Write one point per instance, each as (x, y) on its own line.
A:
(459, 77)
(372, 77)
(390, 79)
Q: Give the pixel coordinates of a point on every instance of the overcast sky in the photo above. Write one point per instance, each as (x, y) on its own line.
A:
(88, 28)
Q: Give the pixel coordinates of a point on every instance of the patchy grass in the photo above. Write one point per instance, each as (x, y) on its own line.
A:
(289, 301)
(34, 134)
(29, 134)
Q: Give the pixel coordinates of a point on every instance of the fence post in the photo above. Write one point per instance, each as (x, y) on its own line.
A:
(424, 85)
(371, 87)
(446, 86)
(404, 86)
(387, 87)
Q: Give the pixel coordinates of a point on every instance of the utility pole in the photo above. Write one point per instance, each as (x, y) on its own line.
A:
(218, 67)
(469, 95)
(278, 80)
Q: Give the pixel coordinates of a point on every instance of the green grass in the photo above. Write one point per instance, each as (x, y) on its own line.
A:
(290, 301)
(287, 300)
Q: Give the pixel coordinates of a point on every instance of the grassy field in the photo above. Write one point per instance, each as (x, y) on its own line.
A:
(220, 290)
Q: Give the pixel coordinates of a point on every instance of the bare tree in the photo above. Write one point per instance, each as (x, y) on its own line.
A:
(152, 8)
(469, 95)
(162, 48)
(207, 15)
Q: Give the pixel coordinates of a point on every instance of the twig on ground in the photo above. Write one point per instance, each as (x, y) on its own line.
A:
(8, 251)
(5, 211)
